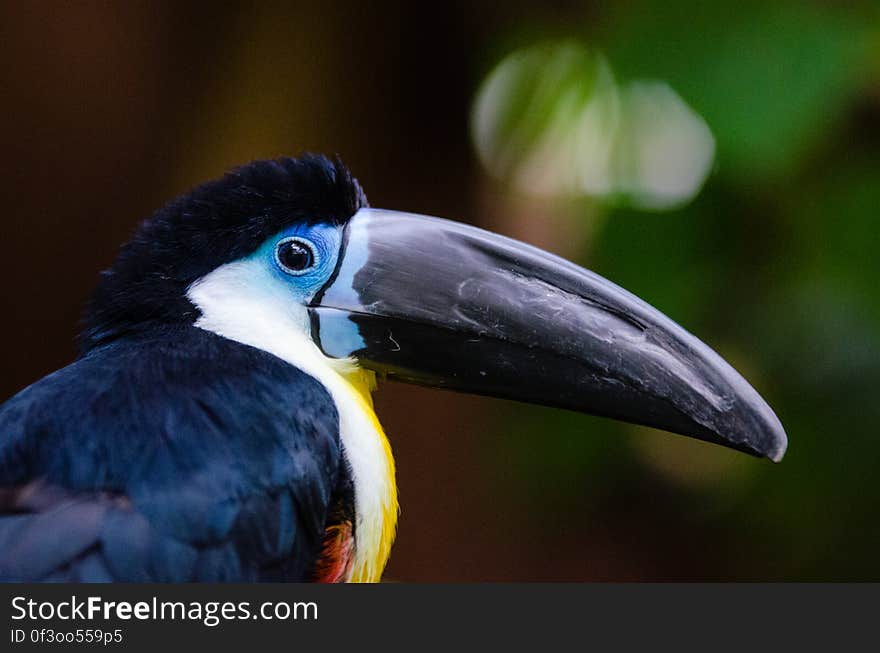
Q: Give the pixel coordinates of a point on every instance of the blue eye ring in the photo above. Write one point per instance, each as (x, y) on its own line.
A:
(296, 262)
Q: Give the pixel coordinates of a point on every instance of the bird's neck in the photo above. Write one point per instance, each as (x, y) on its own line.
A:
(239, 312)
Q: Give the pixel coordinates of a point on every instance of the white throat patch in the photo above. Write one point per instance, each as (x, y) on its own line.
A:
(241, 301)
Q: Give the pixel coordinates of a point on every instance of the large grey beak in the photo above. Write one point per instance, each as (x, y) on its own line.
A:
(447, 305)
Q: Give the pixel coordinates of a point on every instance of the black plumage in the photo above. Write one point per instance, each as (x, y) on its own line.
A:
(215, 223)
(165, 452)
(177, 456)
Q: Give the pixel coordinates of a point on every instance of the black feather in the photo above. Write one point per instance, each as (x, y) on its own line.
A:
(215, 223)
(173, 456)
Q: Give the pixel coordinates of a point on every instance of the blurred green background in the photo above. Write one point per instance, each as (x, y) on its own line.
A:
(721, 160)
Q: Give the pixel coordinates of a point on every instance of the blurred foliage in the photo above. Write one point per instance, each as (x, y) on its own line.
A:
(775, 264)
(552, 119)
(769, 77)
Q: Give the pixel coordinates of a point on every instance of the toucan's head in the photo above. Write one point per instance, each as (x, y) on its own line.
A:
(423, 300)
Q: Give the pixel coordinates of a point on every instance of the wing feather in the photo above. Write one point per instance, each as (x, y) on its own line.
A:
(184, 458)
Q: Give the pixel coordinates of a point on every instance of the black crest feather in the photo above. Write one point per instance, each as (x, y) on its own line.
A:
(215, 223)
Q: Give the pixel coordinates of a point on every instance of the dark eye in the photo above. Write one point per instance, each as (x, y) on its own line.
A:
(294, 255)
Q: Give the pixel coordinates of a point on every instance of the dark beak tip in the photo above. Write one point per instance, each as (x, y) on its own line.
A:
(748, 425)
(772, 441)
(780, 446)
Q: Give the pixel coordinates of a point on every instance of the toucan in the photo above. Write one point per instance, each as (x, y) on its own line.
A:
(218, 426)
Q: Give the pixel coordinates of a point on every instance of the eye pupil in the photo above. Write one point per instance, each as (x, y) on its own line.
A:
(295, 255)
